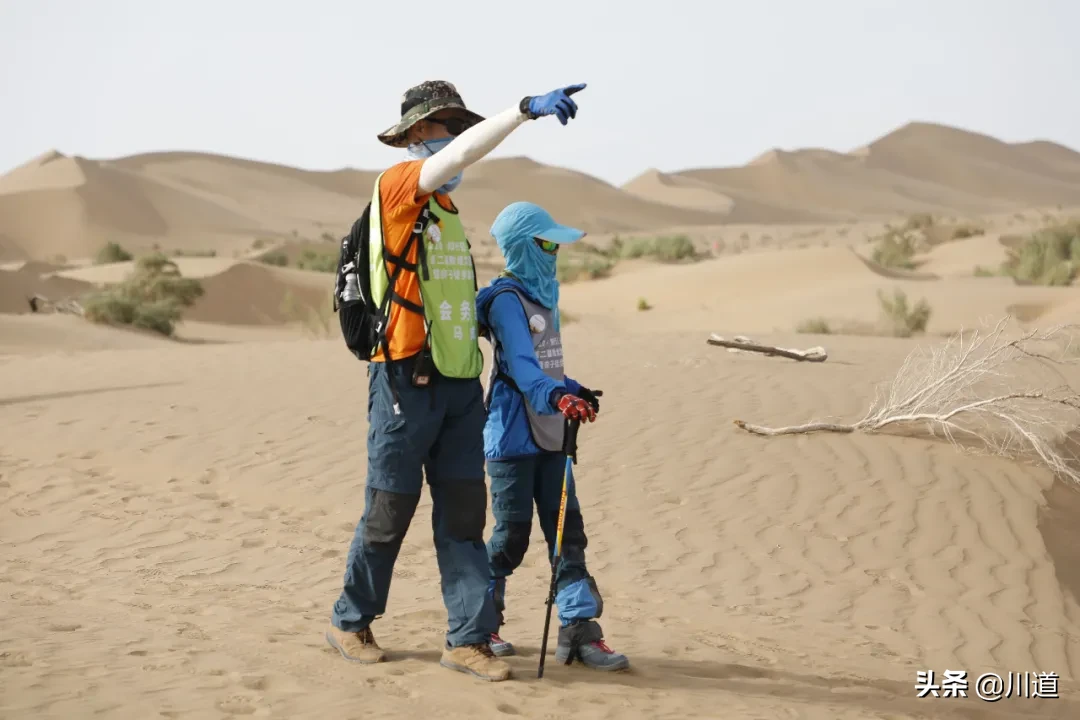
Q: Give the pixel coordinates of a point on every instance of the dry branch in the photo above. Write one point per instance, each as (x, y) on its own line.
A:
(814, 354)
(983, 388)
(39, 303)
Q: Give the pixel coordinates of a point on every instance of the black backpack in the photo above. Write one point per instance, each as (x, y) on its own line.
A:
(363, 324)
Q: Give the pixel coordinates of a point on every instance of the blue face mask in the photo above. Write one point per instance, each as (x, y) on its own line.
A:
(427, 148)
(534, 268)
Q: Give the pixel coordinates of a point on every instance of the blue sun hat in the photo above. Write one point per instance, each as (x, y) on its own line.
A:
(515, 230)
(522, 220)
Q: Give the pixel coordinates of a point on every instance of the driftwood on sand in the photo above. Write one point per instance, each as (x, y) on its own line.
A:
(814, 354)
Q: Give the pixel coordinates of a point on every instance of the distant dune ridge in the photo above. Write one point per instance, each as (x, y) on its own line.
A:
(59, 206)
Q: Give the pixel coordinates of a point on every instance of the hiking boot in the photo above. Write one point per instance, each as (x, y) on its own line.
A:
(478, 660)
(357, 647)
(584, 641)
(500, 647)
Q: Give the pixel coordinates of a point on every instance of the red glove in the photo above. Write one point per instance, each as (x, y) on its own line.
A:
(575, 408)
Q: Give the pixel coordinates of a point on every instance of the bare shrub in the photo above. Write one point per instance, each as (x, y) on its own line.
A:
(1006, 397)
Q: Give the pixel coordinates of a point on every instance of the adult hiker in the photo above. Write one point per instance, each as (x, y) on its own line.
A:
(529, 400)
(425, 398)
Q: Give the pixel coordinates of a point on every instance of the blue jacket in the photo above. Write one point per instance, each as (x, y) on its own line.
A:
(506, 434)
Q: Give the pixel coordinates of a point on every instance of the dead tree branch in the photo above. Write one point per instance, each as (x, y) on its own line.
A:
(814, 354)
(986, 388)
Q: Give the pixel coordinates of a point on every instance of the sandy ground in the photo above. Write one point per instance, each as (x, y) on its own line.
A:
(175, 513)
(176, 518)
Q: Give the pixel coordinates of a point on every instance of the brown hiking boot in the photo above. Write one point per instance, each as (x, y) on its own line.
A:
(476, 660)
(358, 647)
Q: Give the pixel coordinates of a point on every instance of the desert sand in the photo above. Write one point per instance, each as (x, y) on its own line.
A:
(175, 512)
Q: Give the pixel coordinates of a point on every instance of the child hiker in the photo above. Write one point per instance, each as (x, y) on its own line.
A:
(529, 399)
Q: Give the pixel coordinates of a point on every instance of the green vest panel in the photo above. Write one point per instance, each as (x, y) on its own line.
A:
(448, 295)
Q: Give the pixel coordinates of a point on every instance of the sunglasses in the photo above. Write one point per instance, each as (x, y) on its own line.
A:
(547, 246)
(454, 125)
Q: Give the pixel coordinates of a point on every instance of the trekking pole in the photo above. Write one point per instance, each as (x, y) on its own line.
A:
(570, 448)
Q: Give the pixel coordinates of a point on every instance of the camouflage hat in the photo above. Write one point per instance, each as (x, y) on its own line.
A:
(424, 100)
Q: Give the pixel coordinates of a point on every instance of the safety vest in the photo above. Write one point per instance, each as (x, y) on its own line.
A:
(447, 278)
(548, 430)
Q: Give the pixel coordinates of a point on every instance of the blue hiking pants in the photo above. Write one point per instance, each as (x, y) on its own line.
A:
(440, 434)
(516, 486)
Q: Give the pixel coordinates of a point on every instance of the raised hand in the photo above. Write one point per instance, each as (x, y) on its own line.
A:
(556, 102)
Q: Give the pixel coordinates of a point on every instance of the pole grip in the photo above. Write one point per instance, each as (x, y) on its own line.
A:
(570, 439)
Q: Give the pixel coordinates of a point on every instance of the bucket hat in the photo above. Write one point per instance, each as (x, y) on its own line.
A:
(422, 101)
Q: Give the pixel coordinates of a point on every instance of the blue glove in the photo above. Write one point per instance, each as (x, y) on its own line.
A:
(556, 102)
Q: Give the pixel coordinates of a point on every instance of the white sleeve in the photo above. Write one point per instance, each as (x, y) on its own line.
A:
(468, 147)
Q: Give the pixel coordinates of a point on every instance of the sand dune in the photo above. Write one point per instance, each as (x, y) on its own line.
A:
(918, 168)
(252, 294)
(55, 205)
(774, 291)
(16, 287)
(979, 165)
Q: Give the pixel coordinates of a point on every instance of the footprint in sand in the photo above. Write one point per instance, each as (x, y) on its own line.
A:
(253, 682)
(507, 709)
(64, 627)
(236, 705)
(13, 660)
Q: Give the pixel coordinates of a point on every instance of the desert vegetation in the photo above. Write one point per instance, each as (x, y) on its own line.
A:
(152, 297)
(310, 259)
(898, 245)
(899, 318)
(111, 253)
(981, 391)
(587, 262)
(318, 261)
(319, 321)
(1050, 256)
(274, 257)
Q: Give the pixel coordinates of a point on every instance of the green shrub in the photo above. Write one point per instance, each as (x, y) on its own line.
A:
(814, 326)
(112, 253)
(577, 266)
(965, 231)
(317, 321)
(152, 297)
(1050, 256)
(903, 320)
(643, 304)
(673, 248)
(275, 257)
(896, 249)
(317, 261)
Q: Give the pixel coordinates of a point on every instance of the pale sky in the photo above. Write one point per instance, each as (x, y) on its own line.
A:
(673, 84)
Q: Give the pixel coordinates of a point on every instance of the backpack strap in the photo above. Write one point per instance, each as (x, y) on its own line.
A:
(401, 264)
